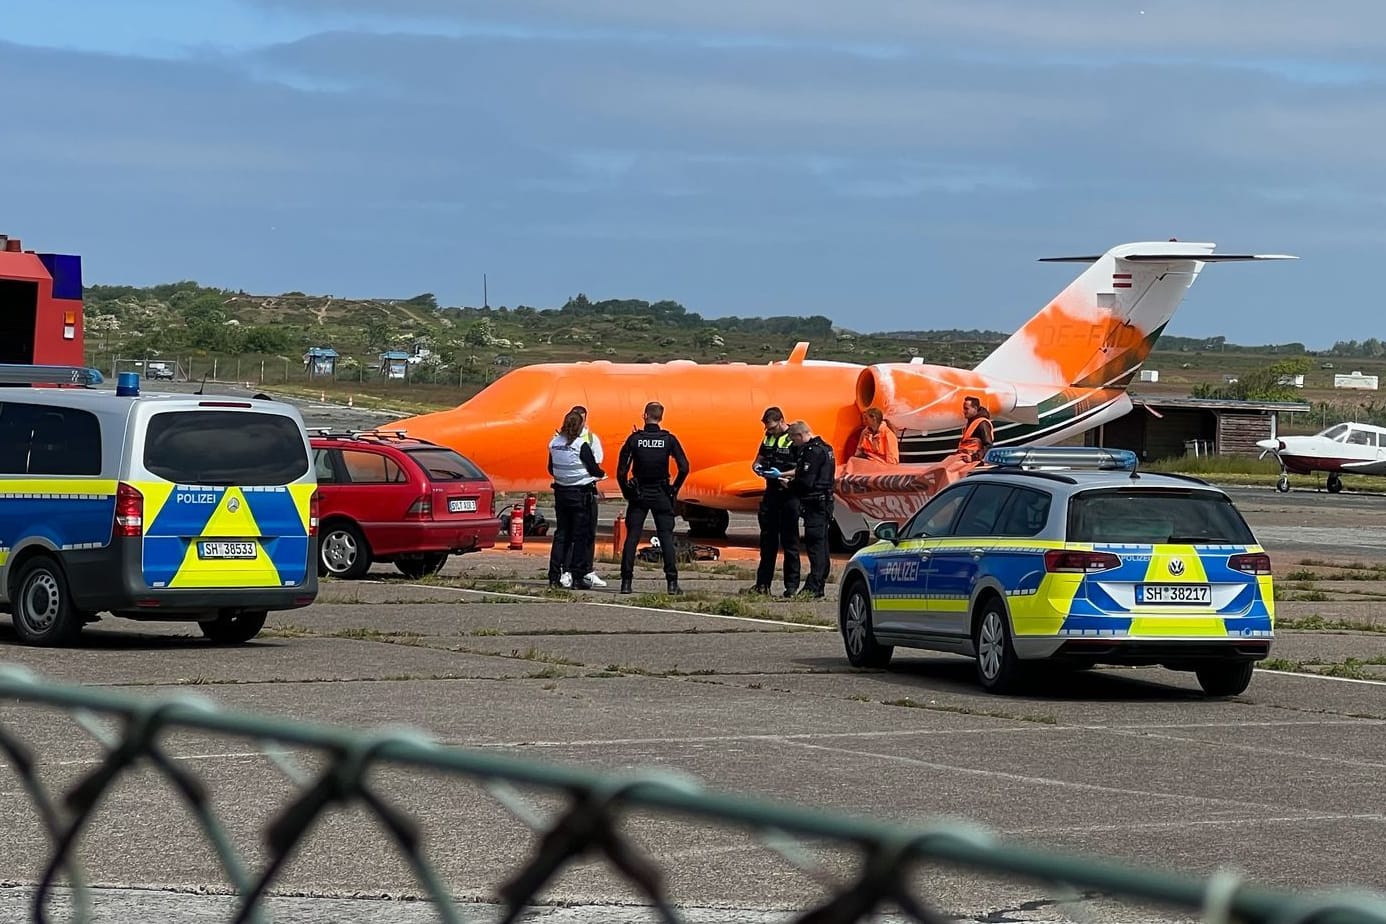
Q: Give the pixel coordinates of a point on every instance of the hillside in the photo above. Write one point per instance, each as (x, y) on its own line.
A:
(236, 335)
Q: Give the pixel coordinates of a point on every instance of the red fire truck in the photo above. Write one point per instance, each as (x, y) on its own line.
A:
(40, 307)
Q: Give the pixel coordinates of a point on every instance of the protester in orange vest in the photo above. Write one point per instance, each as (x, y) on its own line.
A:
(877, 441)
(977, 436)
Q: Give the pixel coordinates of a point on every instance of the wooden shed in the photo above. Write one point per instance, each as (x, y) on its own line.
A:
(1164, 428)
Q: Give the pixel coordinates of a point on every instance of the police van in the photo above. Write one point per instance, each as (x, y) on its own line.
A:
(167, 507)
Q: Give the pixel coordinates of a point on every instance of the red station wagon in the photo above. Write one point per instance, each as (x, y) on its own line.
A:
(389, 498)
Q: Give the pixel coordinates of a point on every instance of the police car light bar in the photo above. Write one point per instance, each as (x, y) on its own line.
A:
(1097, 458)
(24, 374)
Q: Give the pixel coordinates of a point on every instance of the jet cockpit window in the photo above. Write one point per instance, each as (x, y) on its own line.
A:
(1362, 437)
(1337, 433)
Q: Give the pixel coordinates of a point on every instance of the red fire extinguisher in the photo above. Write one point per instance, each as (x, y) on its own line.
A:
(531, 507)
(517, 527)
(618, 535)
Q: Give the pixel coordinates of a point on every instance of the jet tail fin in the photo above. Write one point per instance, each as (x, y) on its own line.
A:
(1099, 330)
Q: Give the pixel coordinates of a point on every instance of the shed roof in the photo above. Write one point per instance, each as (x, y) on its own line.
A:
(1218, 404)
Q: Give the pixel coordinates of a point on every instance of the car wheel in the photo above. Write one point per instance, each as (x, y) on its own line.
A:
(1226, 678)
(998, 668)
(837, 542)
(234, 629)
(418, 566)
(343, 552)
(862, 648)
(41, 606)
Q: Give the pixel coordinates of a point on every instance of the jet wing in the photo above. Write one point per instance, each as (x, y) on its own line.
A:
(733, 479)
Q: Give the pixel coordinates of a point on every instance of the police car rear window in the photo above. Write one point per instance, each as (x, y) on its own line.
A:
(225, 448)
(446, 465)
(1156, 516)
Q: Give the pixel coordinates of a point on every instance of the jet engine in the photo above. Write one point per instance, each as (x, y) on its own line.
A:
(914, 396)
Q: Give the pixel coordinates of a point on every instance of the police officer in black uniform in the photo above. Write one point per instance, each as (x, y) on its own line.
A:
(642, 471)
(778, 515)
(812, 484)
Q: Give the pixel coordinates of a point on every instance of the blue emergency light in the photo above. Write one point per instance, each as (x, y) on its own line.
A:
(128, 384)
(1094, 458)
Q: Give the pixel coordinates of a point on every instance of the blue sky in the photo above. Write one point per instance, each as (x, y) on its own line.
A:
(887, 163)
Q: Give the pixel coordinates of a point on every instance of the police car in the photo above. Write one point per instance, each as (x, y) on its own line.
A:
(1069, 555)
(153, 507)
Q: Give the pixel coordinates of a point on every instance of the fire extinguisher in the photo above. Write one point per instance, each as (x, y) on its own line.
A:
(517, 527)
(531, 508)
(618, 535)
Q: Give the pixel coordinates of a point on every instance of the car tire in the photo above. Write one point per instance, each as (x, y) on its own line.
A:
(419, 566)
(837, 542)
(857, 636)
(998, 668)
(343, 552)
(1225, 678)
(41, 605)
(234, 629)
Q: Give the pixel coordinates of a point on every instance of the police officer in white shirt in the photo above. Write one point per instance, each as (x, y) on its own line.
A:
(575, 472)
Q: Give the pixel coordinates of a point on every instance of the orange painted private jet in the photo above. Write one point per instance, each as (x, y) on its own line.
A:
(1064, 372)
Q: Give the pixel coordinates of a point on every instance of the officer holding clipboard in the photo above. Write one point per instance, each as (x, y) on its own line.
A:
(778, 515)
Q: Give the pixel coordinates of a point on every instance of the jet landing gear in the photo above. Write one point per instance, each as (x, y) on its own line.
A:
(705, 522)
(1283, 484)
(1335, 482)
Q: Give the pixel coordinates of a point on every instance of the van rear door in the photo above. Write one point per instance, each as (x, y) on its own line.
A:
(227, 498)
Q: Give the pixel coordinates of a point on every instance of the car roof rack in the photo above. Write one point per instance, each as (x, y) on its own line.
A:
(28, 374)
(329, 433)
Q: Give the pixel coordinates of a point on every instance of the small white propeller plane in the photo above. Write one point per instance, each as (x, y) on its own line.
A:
(1344, 448)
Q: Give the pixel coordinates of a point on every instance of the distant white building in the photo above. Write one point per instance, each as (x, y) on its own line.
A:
(1296, 380)
(1355, 379)
(1150, 375)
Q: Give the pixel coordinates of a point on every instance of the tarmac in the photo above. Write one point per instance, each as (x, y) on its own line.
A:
(754, 697)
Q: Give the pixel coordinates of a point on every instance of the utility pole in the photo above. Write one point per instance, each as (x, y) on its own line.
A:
(485, 296)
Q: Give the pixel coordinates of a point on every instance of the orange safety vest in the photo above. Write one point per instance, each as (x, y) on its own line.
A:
(880, 445)
(970, 444)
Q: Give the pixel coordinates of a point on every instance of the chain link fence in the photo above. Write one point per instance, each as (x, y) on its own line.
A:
(582, 818)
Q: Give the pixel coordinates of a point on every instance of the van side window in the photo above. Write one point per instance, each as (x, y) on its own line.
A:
(40, 439)
(371, 468)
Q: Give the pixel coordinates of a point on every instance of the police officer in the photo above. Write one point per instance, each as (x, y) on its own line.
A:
(642, 471)
(594, 499)
(778, 515)
(812, 484)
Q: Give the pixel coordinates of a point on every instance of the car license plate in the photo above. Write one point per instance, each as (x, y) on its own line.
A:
(1176, 594)
(461, 505)
(226, 550)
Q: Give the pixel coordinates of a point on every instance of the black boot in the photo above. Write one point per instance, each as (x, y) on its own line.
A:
(625, 586)
(674, 587)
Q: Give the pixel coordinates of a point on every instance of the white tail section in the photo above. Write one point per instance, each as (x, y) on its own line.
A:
(1100, 329)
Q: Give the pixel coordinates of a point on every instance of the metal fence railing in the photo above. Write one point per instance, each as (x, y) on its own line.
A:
(130, 733)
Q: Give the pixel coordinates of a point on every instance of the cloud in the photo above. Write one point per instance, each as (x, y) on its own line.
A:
(861, 162)
(1254, 27)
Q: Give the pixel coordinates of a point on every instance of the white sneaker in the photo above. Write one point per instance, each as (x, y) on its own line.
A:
(566, 579)
(593, 581)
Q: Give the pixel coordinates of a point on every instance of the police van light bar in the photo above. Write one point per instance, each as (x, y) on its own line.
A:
(25, 374)
(1096, 458)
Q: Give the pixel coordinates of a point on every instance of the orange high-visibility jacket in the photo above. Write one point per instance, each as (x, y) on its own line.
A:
(971, 444)
(883, 445)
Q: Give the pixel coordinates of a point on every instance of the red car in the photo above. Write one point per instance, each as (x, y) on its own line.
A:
(390, 498)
